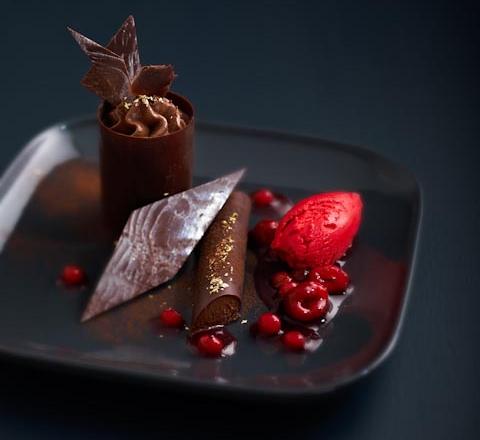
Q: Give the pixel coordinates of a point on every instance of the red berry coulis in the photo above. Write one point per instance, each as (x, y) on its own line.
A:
(307, 302)
(333, 278)
(171, 318)
(73, 275)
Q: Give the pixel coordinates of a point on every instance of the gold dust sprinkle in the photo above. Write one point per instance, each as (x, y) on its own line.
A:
(243, 321)
(217, 284)
(219, 262)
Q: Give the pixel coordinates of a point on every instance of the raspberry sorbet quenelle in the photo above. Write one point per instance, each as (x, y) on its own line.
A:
(318, 230)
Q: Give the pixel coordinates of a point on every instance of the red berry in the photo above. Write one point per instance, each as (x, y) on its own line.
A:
(333, 278)
(262, 197)
(287, 287)
(264, 231)
(73, 275)
(210, 345)
(269, 324)
(171, 318)
(307, 301)
(280, 278)
(294, 340)
(283, 282)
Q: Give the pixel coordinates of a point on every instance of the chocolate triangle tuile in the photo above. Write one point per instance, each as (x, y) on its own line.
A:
(116, 73)
(156, 242)
(124, 43)
(108, 78)
(153, 80)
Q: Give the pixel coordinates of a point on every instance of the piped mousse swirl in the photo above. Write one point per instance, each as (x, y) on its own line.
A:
(146, 116)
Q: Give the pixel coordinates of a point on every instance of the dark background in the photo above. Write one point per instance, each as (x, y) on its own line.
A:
(399, 77)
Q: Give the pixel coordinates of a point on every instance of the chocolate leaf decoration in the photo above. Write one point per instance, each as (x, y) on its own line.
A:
(153, 80)
(108, 78)
(124, 43)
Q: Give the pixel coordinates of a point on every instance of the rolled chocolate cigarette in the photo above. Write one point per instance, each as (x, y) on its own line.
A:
(221, 267)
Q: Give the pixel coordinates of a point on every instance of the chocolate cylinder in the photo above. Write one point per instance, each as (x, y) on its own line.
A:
(136, 171)
(221, 267)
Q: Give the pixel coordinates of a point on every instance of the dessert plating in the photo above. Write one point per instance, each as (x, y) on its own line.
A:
(146, 164)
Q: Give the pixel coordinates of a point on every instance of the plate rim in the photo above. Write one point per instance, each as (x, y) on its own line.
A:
(42, 359)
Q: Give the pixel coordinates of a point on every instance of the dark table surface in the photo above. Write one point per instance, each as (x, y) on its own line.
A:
(398, 77)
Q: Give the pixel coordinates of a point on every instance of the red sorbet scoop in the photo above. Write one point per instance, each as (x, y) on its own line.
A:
(318, 230)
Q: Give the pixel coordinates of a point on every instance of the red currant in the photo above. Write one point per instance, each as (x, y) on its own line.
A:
(210, 345)
(283, 282)
(280, 278)
(294, 340)
(307, 301)
(73, 275)
(171, 318)
(333, 278)
(286, 288)
(269, 324)
(264, 231)
(262, 197)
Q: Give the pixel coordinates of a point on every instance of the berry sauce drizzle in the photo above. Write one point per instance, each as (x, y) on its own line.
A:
(314, 331)
(229, 342)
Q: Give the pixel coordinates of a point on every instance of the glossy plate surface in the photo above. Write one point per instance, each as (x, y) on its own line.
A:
(50, 216)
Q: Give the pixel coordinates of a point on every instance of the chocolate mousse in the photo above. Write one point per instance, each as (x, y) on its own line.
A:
(156, 242)
(221, 266)
(146, 150)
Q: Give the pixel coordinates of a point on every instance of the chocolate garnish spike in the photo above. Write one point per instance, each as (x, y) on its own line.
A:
(153, 80)
(109, 76)
(221, 268)
(124, 44)
(156, 242)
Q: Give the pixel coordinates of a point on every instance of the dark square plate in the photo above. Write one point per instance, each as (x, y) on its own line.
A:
(49, 216)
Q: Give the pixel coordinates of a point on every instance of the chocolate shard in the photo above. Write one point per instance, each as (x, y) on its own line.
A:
(124, 44)
(156, 242)
(221, 268)
(153, 80)
(108, 78)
